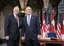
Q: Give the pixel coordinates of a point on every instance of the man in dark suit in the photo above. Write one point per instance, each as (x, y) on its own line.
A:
(31, 26)
(11, 28)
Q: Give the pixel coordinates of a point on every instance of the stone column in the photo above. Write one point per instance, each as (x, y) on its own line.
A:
(1, 25)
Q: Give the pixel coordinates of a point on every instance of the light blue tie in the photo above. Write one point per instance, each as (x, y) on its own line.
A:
(28, 20)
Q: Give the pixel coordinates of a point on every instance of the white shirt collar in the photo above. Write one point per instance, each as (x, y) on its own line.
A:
(14, 15)
(29, 15)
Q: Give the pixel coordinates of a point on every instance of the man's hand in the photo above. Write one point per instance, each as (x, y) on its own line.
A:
(39, 37)
(22, 38)
(7, 37)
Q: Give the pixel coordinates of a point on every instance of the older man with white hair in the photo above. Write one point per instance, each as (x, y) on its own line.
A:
(11, 28)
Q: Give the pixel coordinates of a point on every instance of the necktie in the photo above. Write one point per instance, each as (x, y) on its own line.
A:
(28, 20)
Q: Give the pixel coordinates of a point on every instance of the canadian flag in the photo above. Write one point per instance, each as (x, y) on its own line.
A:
(52, 24)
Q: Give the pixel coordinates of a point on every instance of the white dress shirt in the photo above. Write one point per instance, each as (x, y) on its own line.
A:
(28, 19)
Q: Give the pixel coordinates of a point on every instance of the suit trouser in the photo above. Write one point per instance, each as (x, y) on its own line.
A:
(13, 43)
(32, 43)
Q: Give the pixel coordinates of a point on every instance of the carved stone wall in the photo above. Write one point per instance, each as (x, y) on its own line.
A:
(6, 11)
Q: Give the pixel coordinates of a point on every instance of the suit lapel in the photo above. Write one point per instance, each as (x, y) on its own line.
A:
(25, 21)
(14, 18)
(31, 20)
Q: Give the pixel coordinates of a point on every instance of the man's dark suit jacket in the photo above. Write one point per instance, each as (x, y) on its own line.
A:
(11, 27)
(33, 30)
